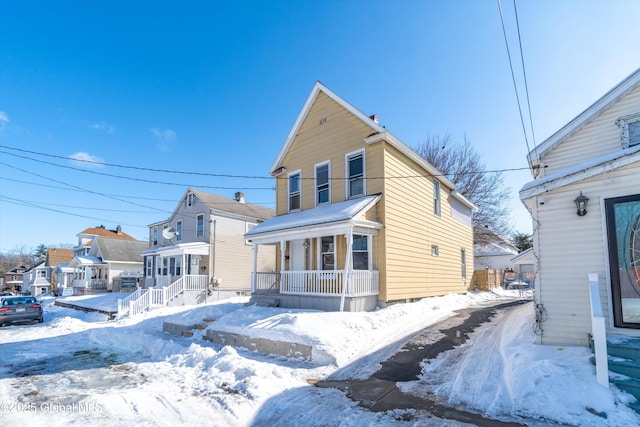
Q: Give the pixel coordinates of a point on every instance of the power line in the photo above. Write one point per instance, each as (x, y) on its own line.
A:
(524, 74)
(227, 176)
(513, 77)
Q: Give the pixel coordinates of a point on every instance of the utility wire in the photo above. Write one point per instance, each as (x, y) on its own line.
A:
(524, 74)
(513, 77)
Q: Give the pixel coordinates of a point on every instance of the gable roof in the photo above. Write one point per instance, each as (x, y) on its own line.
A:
(56, 256)
(227, 205)
(103, 232)
(379, 133)
(580, 121)
(121, 250)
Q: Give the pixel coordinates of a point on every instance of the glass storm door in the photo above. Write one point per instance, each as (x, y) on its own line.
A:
(623, 232)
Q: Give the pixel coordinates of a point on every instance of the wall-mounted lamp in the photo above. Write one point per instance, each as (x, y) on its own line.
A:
(581, 204)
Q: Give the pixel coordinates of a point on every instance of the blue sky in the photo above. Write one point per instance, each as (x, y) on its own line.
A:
(213, 87)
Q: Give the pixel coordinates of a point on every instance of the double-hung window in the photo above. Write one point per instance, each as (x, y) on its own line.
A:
(327, 256)
(154, 236)
(179, 230)
(323, 194)
(360, 252)
(294, 191)
(355, 174)
(200, 225)
(437, 203)
(463, 263)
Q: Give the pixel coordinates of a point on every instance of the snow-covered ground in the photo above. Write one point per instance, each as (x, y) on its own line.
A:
(80, 369)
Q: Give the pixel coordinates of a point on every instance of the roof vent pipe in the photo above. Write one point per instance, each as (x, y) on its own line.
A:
(240, 196)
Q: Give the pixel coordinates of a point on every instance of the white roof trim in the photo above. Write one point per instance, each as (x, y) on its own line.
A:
(611, 97)
(193, 248)
(580, 172)
(317, 88)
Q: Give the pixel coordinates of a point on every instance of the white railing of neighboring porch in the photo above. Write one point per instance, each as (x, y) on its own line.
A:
(329, 282)
(598, 332)
(267, 281)
(142, 299)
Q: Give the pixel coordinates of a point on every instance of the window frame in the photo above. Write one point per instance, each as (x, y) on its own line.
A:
(317, 186)
(179, 230)
(463, 263)
(437, 198)
(625, 136)
(366, 251)
(200, 225)
(322, 253)
(298, 193)
(154, 236)
(349, 178)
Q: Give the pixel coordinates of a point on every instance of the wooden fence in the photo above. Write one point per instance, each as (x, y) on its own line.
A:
(486, 280)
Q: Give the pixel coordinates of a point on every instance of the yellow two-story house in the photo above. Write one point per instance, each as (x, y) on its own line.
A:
(361, 219)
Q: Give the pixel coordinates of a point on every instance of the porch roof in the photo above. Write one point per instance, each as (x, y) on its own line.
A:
(85, 260)
(323, 220)
(193, 248)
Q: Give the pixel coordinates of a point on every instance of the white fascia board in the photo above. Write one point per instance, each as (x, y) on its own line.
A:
(314, 231)
(317, 88)
(597, 108)
(580, 172)
(404, 148)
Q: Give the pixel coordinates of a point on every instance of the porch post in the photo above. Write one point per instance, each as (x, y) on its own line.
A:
(283, 247)
(347, 267)
(255, 268)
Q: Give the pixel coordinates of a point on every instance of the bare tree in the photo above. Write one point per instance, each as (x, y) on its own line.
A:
(460, 163)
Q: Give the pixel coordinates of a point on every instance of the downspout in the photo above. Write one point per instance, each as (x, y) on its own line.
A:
(212, 252)
(347, 267)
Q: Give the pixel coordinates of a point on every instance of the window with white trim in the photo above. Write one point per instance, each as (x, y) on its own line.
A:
(190, 200)
(149, 270)
(463, 263)
(630, 128)
(327, 253)
(154, 236)
(360, 252)
(355, 174)
(294, 191)
(323, 194)
(437, 204)
(179, 230)
(200, 225)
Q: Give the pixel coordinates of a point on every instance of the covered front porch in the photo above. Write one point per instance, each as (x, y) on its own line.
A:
(166, 265)
(327, 258)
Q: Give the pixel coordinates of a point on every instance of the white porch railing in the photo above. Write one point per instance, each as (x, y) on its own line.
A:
(329, 283)
(142, 299)
(90, 283)
(267, 281)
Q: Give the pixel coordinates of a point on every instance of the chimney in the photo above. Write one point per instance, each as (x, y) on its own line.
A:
(240, 197)
(118, 230)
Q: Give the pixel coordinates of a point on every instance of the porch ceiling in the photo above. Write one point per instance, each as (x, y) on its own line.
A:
(323, 220)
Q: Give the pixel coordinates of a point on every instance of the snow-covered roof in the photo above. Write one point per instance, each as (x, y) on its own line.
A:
(581, 171)
(323, 215)
(524, 257)
(84, 260)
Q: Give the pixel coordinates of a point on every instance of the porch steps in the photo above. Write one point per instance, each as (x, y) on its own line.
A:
(264, 301)
(624, 366)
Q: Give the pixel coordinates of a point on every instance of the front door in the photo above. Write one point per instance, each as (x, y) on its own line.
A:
(297, 263)
(623, 232)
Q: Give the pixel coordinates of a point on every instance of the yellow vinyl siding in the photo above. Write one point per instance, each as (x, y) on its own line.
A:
(340, 133)
(411, 228)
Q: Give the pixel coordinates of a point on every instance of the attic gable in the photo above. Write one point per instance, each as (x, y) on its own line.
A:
(316, 97)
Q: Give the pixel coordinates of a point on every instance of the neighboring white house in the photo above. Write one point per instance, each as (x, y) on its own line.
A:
(203, 241)
(524, 266)
(108, 261)
(36, 279)
(595, 156)
(495, 254)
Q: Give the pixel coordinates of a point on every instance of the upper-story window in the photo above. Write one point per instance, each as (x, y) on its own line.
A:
(437, 202)
(323, 194)
(190, 200)
(630, 127)
(294, 191)
(355, 174)
(164, 239)
(179, 230)
(154, 236)
(200, 225)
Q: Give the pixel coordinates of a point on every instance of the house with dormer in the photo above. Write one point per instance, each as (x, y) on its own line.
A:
(362, 220)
